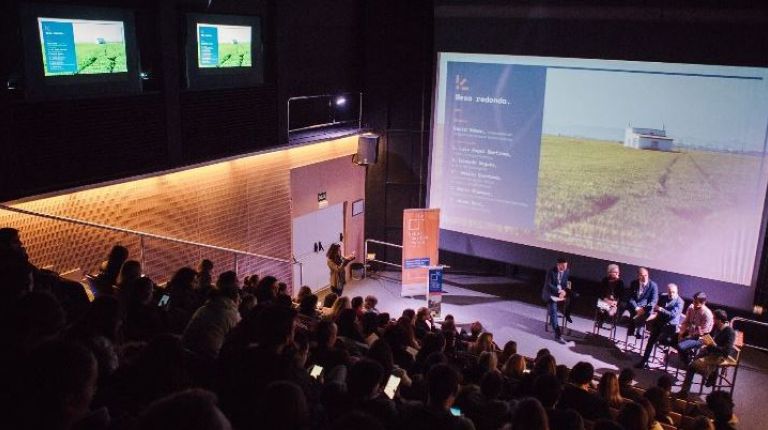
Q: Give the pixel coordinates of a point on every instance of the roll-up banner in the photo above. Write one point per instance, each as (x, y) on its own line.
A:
(421, 228)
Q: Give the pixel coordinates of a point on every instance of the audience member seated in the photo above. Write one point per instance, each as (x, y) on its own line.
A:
(328, 302)
(529, 415)
(328, 353)
(106, 279)
(577, 396)
(609, 390)
(370, 304)
(514, 373)
(365, 383)
(721, 405)
(662, 404)
(626, 379)
(357, 306)
(190, 410)
(483, 343)
(548, 390)
(650, 412)
(510, 349)
(339, 305)
(266, 290)
(698, 322)
(304, 291)
(633, 416)
(183, 300)
(209, 325)
(443, 386)
(349, 328)
(283, 407)
(204, 279)
(143, 318)
(370, 327)
(423, 324)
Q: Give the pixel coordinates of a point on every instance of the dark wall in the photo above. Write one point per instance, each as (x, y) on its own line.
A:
(310, 48)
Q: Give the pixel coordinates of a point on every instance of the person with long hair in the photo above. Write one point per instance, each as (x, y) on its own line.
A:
(337, 264)
(609, 390)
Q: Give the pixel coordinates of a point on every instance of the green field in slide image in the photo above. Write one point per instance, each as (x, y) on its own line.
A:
(95, 58)
(234, 55)
(600, 195)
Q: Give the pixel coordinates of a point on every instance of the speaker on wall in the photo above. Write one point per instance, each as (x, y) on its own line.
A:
(367, 148)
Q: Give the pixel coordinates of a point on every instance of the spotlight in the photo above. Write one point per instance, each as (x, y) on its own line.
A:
(341, 101)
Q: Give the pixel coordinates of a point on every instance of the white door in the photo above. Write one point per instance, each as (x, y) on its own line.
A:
(313, 233)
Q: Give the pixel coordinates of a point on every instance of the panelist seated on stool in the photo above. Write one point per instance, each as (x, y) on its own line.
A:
(663, 321)
(612, 287)
(554, 291)
(644, 294)
(715, 350)
(698, 322)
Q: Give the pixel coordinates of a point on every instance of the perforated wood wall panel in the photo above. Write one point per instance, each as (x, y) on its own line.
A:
(242, 204)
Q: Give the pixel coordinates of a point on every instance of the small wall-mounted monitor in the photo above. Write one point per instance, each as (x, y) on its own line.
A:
(77, 51)
(223, 51)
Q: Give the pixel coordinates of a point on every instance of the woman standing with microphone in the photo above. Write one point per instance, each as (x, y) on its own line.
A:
(337, 263)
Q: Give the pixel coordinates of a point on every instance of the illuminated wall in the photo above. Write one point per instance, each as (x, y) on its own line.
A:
(243, 204)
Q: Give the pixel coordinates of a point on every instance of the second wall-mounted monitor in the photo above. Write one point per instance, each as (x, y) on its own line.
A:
(223, 51)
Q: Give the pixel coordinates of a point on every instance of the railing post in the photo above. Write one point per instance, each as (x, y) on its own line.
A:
(141, 253)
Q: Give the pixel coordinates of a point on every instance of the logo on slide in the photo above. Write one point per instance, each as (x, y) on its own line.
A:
(461, 83)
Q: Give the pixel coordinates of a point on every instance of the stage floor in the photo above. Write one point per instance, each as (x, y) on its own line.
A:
(511, 310)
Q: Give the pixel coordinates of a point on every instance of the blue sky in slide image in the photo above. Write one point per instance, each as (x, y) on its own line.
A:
(702, 111)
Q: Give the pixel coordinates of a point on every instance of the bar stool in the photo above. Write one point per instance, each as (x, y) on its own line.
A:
(608, 324)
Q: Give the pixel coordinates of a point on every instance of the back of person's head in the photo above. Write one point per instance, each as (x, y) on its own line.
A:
(205, 266)
(340, 304)
(665, 382)
(492, 384)
(117, 256)
(130, 271)
(720, 315)
(369, 323)
(547, 388)
(266, 289)
(515, 366)
(410, 314)
(544, 364)
(183, 279)
(382, 354)
(510, 348)
(329, 300)
(275, 326)
(432, 342)
(487, 360)
(529, 414)
(582, 373)
(721, 405)
(660, 401)
(190, 410)
(632, 416)
(563, 373)
(283, 406)
(304, 291)
(308, 304)
(542, 352)
(284, 300)
(371, 302)
(356, 420)
(442, 384)
(626, 376)
(325, 332)
(346, 322)
(282, 288)
(609, 387)
(606, 424)
(650, 411)
(103, 317)
(37, 317)
(384, 319)
(9, 237)
(357, 302)
(59, 380)
(476, 328)
(227, 280)
(364, 379)
(15, 279)
(701, 423)
(139, 291)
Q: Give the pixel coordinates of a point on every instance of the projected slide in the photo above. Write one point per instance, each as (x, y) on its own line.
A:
(223, 45)
(79, 46)
(662, 165)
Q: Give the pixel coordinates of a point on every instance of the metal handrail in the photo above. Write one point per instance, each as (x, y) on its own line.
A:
(141, 234)
(734, 320)
(367, 241)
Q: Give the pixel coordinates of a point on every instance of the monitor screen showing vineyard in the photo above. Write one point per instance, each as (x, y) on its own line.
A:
(223, 45)
(82, 47)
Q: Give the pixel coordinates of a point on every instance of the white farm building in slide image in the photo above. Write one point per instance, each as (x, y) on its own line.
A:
(647, 138)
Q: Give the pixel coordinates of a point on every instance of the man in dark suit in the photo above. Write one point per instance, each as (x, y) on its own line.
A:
(664, 321)
(554, 291)
(576, 394)
(716, 350)
(644, 296)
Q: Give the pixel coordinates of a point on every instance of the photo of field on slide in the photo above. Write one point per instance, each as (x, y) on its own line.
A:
(99, 49)
(234, 54)
(601, 195)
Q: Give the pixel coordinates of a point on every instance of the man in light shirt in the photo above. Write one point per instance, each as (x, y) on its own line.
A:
(698, 322)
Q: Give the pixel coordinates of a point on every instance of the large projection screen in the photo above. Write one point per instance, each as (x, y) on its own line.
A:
(651, 164)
